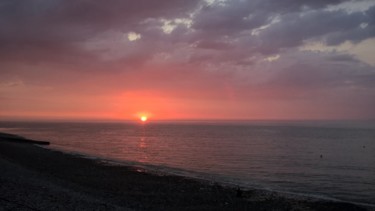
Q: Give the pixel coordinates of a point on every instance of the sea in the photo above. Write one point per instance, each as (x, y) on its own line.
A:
(322, 159)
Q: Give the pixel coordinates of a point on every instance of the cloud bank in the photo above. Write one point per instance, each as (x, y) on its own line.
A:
(196, 59)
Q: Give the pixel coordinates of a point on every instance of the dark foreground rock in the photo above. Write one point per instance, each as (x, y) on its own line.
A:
(35, 178)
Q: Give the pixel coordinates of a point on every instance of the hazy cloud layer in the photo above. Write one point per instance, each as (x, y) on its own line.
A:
(255, 54)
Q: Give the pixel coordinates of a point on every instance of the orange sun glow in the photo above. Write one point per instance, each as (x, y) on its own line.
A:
(143, 118)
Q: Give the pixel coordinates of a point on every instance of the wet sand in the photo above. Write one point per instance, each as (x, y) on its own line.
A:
(36, 178)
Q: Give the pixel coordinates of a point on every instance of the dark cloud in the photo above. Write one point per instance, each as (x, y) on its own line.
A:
(244, 15)
(55, 30)
(207, 44)
(363, 27)
(343, 58)
(287, 24)
(89, 13)
(39, 29)
(334, 27)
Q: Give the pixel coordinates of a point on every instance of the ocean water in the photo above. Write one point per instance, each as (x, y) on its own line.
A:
(329, 160)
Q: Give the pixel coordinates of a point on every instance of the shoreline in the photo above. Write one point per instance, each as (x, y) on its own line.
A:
(170, 171)
(89, 183)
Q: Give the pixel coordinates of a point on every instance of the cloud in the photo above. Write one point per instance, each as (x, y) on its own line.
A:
(132, 36)
(241, 51)
(34, 29)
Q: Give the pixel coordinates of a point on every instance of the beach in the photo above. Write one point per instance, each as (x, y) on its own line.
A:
(37, 178)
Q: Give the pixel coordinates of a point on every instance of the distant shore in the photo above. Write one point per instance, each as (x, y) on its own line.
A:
(36, 178)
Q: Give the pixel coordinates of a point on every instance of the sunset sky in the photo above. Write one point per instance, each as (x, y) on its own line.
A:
(187, 59)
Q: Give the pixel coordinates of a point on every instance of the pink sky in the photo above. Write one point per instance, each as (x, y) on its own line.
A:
(198, 59)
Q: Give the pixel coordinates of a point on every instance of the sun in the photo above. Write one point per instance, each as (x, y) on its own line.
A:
(143, 118)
